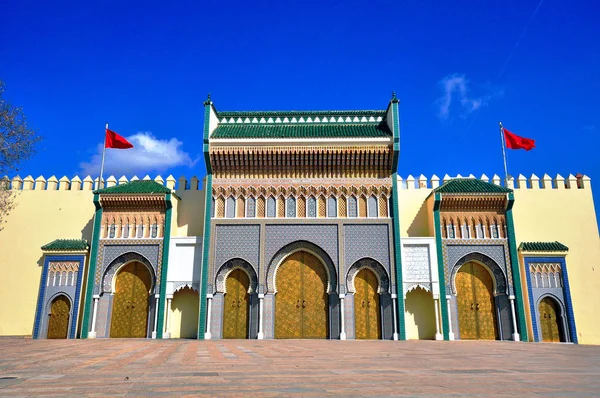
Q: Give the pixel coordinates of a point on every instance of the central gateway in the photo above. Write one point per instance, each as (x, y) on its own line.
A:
(301, 303)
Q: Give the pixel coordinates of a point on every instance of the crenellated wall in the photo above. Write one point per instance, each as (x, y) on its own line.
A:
(49, 209)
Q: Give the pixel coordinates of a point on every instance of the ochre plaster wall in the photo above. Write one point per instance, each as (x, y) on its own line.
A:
(415, 217)
(39, 218)
(184, 314)
(567, 215)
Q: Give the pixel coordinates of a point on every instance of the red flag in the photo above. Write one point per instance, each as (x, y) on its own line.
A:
(513, 141)
(114, 140)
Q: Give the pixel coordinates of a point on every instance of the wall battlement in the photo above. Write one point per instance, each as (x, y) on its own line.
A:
(89, 184)
(533, 182)
(28, 183)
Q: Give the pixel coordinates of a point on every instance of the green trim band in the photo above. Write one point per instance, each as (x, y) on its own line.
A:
(440, 261)
(164, 268)
(398, 260)
(205, 256)
(514, 264)
(89, 291)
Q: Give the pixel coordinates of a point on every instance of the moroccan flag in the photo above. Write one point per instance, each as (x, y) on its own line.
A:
(114, 140)
(513, 141)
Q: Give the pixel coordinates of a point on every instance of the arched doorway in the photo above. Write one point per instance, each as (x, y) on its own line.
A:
(367, 314)
(301, 305)
(184, 318)
(476, 309)
(549, 320)
(420, 314)
(130, 307)
(236, 307)
(58, 324)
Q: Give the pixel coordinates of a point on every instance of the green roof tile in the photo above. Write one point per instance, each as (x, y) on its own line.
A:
(470, 186)
(367, 113)
(543, 247)
(135, 187)
(66, 245)
(301, 130)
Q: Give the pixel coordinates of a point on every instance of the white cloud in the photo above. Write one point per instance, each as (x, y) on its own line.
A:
(456, 97)
(148, 154)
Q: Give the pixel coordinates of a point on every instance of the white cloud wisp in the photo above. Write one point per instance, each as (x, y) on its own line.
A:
(148, 154)
(456, 91)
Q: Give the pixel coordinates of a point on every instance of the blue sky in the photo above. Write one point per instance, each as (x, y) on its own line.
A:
(458, 68)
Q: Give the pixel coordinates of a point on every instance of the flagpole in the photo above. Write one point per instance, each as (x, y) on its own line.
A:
(101, 182)
(503, 154)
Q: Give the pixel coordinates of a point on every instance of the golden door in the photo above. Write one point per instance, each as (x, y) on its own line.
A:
(301, 306)
(367, 318)
(58, 325)
(476, 309)
(130, 306)
(549, 320)
(235, 317)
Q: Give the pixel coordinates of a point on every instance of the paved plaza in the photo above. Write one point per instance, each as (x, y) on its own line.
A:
(295, 368)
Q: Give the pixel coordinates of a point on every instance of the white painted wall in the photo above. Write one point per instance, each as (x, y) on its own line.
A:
(185, 261)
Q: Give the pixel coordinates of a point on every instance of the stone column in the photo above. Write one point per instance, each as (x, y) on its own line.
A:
(342, 321)
(92, 333)
(207, 334)
(438, 333)
(394, 298)
(156, 296)
(167, 334)
(261, 304)
(450, 333)
(515, 334)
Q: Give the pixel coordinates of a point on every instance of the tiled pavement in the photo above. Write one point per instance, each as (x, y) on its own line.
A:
(295, 368)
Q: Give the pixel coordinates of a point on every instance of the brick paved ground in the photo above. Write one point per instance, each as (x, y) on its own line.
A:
(295, 368)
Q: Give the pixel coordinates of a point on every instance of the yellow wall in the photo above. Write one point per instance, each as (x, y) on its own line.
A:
(184, 314)
(567, 215)
(39, 218)
(415, 217)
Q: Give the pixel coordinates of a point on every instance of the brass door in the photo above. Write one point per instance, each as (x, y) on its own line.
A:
(549, 320)
(130, 305)
(301, 307)
(476, 309)
(235, 317)
(367, 317)
(58, 324)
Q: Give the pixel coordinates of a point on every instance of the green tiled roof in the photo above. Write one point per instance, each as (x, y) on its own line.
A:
(66, 245)
(133, 187)
(470, 185)
(543, 247)
(374, 113)
(302, 130)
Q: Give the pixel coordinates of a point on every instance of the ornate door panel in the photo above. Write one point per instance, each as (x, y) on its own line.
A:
(366, 306)
(235, 317)
(548, 311)
(476, 310)
(130, 306)
(58, 325)
(315, 303)
(301, 305)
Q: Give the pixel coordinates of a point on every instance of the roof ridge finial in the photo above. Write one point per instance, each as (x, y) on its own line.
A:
(208, 100)
(394, 98)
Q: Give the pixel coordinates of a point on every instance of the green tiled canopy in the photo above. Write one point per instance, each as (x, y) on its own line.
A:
(469, 186)
(135, 187)
(543, 247)
(66, 245)
(301, 130)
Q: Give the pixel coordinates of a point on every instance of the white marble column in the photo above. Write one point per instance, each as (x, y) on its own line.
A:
(450, 333)
(156, 296)
(261, 306)
(167, 333)
(515, 334)
(394, 304)
(438, 327)
(92, 333)
(342, 318)
(207, 335)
